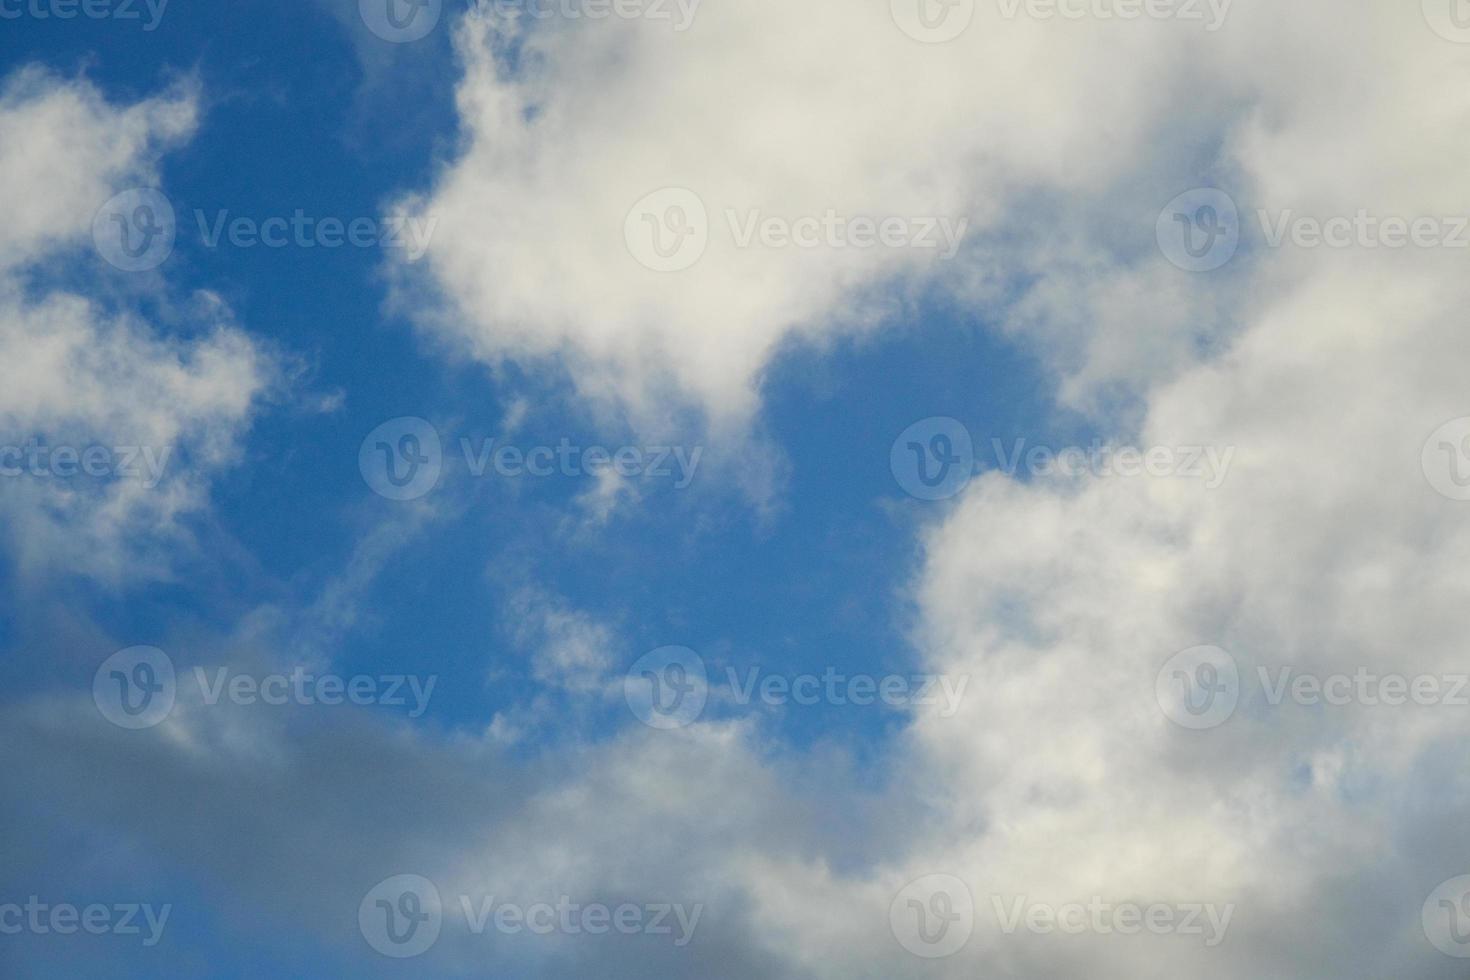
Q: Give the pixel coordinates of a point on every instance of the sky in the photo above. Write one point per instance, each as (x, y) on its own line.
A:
(786, 488)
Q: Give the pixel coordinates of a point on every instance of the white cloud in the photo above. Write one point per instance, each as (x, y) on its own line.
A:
(79, 374)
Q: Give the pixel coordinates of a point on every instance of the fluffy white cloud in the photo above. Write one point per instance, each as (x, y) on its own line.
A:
(1061, 779)
(159, 413)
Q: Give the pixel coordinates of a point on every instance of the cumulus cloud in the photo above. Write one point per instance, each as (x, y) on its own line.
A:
(1061, 779)
(158, 412)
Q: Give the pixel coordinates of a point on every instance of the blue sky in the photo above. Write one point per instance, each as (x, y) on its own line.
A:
(1069, 604)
